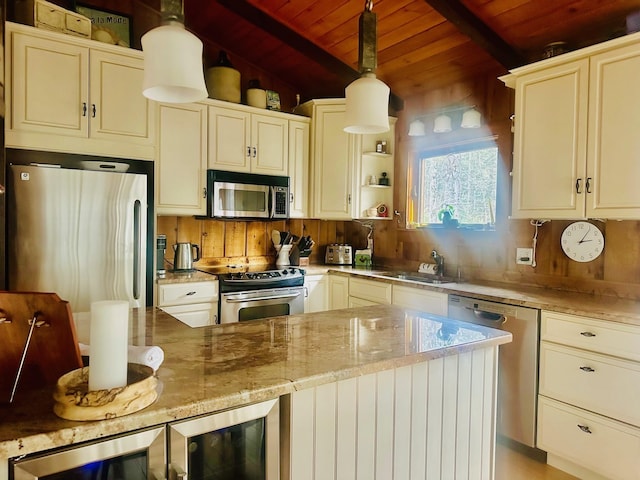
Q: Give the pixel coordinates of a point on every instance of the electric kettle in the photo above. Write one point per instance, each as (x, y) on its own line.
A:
(184, 257)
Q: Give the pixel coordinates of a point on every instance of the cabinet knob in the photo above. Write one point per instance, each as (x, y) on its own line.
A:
(255, 152)
(578, 182)
(587, 369)
(84, 109)
(93, 110)
(204, 193)
(588, 185)
(248, 151)
(587, 334)
(191, 293)
(291, 198)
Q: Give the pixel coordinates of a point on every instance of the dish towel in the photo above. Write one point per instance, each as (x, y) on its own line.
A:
(152, 356)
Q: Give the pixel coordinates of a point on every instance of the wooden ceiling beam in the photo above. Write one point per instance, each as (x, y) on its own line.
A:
(310, 50)
(465, 21)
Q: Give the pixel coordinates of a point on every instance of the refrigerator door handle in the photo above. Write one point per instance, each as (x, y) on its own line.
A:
(137, 245)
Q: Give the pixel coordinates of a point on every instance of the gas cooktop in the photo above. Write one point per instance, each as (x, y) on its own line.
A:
(284, 277)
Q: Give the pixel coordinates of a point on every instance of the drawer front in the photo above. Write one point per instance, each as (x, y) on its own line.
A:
(184, 293)
(378, 292)
(597, 383)
(604, 446)
(197, 315)
(591, 334)
(418, 299)
(78, 24)
(360, 302)
(49, 14)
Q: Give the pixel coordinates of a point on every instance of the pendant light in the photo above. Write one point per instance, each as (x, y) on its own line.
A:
(173, 70)
(367, 98)
(416, 128)
(442, 124)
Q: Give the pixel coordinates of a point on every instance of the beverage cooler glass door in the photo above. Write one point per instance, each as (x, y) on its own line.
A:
(238, 444)
(136, 456)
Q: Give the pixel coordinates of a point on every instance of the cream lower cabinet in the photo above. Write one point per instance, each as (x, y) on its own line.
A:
(181, 169)
(575, 143)
(75, 95)
(418, 299)
(316, 295)
(338, 291)
(588, 419)
(242, 140)
(193, 303)
(364, 292)
(431, 420)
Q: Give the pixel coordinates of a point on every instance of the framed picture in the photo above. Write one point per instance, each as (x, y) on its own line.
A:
(273, 100)
(106, 26)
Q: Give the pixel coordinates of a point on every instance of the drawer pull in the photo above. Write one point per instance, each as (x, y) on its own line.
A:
(191, 293)
(584, 428)
(587, 369)
(587, 334)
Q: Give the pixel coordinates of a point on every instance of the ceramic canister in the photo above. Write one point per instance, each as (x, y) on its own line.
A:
(223, 83)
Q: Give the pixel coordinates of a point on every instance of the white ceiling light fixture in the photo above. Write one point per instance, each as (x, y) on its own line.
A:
(442, 124)
(173, 71)
(367, 98)
(471, 119)
(416, 129)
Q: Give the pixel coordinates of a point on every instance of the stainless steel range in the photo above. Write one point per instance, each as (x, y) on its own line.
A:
(248, 296)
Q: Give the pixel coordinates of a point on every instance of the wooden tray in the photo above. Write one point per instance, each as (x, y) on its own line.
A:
(53, 349)
(74, 401)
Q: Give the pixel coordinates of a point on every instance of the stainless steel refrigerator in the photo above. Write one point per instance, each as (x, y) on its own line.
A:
(78, 226)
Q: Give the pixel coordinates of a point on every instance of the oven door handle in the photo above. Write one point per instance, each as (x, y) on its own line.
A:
(240, 299)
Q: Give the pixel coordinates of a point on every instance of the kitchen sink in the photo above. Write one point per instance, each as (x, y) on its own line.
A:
(419, 277)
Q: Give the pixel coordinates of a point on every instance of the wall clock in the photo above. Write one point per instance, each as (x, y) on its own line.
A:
(582, 241)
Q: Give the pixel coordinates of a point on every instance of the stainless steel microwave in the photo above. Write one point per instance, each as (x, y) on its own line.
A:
(246, 195)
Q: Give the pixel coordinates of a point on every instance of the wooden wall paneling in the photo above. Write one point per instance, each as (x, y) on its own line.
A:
(622, 251)
(258, 242)
(212, 239)
(235, 238)
(189, 230)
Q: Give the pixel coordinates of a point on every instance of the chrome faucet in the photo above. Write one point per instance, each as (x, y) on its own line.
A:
(439, 259)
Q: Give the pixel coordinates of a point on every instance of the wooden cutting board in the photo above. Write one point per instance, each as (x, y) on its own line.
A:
(53, 349)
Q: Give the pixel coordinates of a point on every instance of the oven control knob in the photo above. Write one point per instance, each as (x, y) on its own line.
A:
(285, 271)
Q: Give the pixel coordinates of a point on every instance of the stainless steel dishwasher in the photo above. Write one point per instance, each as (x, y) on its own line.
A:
(517, 364)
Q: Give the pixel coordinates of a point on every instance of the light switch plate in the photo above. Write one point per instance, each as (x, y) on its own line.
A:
(524, 256)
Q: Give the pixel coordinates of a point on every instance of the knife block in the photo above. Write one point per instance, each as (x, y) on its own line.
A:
(53, 347)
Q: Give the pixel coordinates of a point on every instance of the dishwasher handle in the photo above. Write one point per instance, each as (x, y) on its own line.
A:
(488, 316)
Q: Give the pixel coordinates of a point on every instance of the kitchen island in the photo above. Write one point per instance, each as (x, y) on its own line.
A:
(384, 351)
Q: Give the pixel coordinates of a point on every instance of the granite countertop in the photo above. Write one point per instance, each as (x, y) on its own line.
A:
(598, 306)
(214, 368)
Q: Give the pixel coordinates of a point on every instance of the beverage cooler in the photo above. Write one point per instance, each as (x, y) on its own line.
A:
(242, 443)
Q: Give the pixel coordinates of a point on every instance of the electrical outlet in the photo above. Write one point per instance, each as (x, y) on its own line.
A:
(524, 256)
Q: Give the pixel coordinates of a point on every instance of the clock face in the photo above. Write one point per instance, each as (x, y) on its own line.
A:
(582, 241)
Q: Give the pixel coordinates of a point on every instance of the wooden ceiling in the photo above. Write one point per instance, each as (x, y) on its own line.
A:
(422, 44)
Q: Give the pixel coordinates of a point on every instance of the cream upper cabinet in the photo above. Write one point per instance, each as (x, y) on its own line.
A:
(75, 95)
(575, 144)
(332, 154)
(181, 171)
(299, 168)
(241, 140)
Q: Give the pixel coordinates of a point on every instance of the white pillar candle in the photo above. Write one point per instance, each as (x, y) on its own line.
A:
(108, 340)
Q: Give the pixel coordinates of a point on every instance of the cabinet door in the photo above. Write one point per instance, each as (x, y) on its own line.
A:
(298, 169)
(269, 145)
(614, 143)
(550, 142)
(118, 110)
(317, 294)
(338, 292)
(49, 86)
(229, 139)
(332, 164)
(182, 155)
